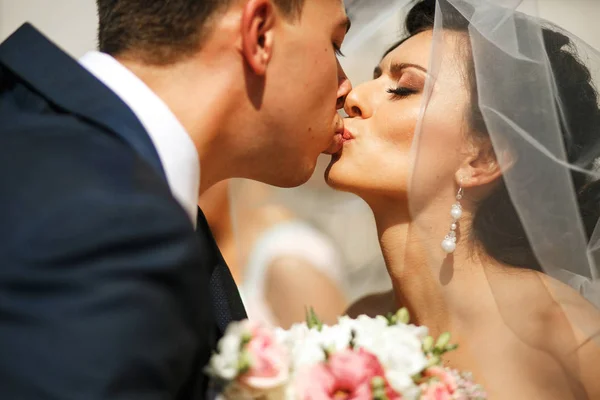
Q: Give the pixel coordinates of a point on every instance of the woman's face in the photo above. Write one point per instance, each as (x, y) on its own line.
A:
(384, 114)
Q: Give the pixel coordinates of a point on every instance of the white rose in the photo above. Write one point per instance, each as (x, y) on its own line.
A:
(223, 367)
(403, 384)
(238, 329)
(307, 350)
(419, 331)
(346, 321)
(399, 349)
(412, 393)
(290, 336)
(378, 323)
(335, 338)
(307, 346)
(363, 323)
(290, 393)
(224, 364)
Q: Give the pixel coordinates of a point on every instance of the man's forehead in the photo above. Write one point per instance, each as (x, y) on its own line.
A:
(338, 4)
(334, 9)
(343, 15)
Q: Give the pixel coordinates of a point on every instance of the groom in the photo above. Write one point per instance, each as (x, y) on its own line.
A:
(111, 285)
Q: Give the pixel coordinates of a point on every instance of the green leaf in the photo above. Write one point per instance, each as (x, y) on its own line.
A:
(417, 378)
(378, 383)
(391, 319)
(378, 388)
(244, 362)
(434, 360)
(312, 320)
(379, 395)
(352, 339)
(246, 338)
(403, 315)
(428, 344)
(451, 347)
(443, 341)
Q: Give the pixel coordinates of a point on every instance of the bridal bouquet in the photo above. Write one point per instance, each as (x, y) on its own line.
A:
(382, 358)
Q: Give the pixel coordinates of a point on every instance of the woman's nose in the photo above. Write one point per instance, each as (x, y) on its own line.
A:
(357, 102)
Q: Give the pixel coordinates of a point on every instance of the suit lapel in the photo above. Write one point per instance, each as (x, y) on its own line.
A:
(54, 75)
(227, 303)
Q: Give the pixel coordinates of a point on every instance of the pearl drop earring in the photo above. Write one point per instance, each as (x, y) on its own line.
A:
(449, 242)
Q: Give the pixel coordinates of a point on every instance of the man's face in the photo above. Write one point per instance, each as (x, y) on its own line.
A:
(305, 86)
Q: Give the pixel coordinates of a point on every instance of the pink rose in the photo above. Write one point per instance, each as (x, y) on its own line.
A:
(347, 375)
(436, 391)
(444, 376)
(442, 388)
(268, 360)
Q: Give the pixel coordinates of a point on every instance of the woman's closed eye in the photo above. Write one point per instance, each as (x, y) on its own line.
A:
(401, 92)
(406, 83)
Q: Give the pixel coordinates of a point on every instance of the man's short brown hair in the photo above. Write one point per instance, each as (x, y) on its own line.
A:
(163, 31)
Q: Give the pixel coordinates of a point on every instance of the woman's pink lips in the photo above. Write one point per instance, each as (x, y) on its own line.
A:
(341, 137)
(346, 135)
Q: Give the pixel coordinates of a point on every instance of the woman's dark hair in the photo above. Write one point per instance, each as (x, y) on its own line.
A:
(496, 224)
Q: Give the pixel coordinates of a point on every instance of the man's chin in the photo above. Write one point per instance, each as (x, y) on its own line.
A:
(336, 145)
(292, 179)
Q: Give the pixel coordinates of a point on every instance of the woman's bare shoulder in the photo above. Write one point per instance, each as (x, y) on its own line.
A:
(568, 329)
(545, 308)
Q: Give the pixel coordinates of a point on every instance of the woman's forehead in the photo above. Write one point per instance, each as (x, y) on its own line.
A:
(415, 49)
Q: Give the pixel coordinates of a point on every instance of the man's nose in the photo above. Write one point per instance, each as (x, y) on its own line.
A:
(344, 87)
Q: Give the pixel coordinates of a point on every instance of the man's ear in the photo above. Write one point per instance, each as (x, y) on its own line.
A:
(258, 22)
(482, 165)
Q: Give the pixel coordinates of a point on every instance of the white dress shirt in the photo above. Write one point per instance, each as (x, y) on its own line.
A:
(174, 146)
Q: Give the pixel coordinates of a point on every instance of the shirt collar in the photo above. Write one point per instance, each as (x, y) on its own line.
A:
(174, 146)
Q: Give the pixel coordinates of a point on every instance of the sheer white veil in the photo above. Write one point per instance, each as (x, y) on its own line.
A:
(533, 93)
(528, 112)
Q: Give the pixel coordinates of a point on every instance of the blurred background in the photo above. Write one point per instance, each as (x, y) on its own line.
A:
(69, 23)
(72, 23)
(291, 248)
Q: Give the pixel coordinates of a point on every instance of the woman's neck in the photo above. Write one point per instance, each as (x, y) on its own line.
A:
(434, 286)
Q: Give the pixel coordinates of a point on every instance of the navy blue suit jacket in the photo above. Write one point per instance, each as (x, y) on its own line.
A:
(106, 290)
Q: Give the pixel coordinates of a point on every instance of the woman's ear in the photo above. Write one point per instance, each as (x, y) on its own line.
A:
(482, 165)
(257, 33)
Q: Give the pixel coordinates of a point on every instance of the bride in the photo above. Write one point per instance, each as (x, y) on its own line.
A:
(478, 215)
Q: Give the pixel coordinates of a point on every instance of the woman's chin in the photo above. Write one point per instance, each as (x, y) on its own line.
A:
(339, 178)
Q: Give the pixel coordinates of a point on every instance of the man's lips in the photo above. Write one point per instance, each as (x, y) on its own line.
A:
(341, 136)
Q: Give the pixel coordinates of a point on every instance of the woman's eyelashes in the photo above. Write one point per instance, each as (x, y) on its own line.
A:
(408, 83)
(401, 92)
